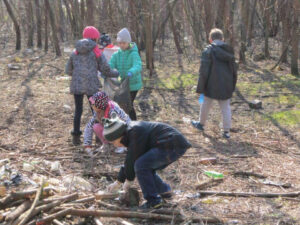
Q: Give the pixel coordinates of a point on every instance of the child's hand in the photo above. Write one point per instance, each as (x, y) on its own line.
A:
(129, 74)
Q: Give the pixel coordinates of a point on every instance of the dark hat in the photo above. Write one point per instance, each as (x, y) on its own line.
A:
(105, 40)
(113, 128)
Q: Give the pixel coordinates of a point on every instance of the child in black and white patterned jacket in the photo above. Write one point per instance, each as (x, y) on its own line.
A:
(103, 108)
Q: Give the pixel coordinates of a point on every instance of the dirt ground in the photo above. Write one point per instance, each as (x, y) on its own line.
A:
(36, 119)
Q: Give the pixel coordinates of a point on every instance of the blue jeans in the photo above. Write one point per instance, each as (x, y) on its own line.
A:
(145, 169)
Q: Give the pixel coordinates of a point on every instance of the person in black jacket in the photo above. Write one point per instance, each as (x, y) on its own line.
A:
(217, 79)
(150, 146)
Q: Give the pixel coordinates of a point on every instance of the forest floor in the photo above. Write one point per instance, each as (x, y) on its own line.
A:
(36, 119)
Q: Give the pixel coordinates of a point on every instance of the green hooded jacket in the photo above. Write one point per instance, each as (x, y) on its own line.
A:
(126, 61)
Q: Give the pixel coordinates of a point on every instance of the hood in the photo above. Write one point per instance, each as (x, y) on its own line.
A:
(222, 51)
(133, 48)
(84, 46)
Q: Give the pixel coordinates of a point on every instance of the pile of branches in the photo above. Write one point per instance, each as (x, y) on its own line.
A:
(45, 206)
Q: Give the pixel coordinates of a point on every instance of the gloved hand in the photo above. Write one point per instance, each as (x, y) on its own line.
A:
(88, 150)
(114, 187)
(127, 185)
(129, 74)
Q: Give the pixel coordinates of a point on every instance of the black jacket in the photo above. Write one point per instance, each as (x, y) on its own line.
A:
(142, 136)
(218, 71)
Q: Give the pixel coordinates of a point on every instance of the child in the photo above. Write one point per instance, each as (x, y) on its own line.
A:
(217, 79)
(103, 108)
(151, 146)
(128, 62)
(83, 66)
(107, 47)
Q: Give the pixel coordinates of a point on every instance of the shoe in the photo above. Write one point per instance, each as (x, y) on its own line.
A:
(226, 134)
(166, 195)
(156, 204)
(120, 150)
(76, 138)
(197, 125)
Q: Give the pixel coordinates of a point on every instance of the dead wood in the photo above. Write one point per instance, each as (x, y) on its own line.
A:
(249, 194)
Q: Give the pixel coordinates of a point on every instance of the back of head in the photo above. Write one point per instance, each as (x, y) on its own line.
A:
(85, 46)
(105, 40)
(216, 34)
(91, 33)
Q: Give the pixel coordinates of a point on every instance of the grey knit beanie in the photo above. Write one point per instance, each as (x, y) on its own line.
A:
(113, 128)
(124, 36)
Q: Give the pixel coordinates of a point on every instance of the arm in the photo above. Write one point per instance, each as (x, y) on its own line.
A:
(235, 75)
(137, 63)
(204, 70)
(121, 114)
(113, 61)
(69, 66)
(88, 132)
(105, 69)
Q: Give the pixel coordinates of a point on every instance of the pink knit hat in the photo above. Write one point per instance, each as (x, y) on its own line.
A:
(91, 32)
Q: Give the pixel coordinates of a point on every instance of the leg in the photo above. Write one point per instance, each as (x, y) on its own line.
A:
(204, 110)
(226, 114)
(88, 97)
(132, 113)
(98, 129)
(77, 115)
(145, 166)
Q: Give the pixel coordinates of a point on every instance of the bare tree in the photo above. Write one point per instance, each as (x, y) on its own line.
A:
(295, 38)
(90, 12)
(16, 24)
(243, 27)
(54, 30)
(38, 23)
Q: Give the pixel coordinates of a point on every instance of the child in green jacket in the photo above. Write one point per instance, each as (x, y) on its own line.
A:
(128, 62)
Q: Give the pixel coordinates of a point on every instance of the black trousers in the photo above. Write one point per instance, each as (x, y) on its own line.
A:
(78, 112)
(132, 113)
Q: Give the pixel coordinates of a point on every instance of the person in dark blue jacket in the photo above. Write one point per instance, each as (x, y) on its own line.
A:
(150, 146)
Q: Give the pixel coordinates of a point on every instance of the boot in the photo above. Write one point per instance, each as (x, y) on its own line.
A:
(76, 138)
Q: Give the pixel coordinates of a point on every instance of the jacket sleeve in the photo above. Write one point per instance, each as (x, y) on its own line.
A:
(205, 65)
(235, 75)
(137, 63)
(88, 132)
(135, 146)
(113, 61)
(69, 66)
(105, 69)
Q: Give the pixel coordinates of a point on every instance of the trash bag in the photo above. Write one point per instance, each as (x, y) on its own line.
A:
(119, 92)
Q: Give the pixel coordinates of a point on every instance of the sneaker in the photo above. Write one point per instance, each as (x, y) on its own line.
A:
(166, 195)
(120, 150)
(197, 125)
(226, 134)
(152, 205)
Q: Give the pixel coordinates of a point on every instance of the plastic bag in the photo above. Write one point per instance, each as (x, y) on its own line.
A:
(119, 92)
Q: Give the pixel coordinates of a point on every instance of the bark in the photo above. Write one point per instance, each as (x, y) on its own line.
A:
(251, 23)
(54, 30)
(249, 194)
(46, 44)
(38, 23)
(16, 24)
(90, 12)
(295, 39)
(30, 23)
(243, 27)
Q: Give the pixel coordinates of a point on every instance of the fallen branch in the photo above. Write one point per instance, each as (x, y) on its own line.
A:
(209, 183)
(97, 221)
(28, 214)
(85, 200)
(249, 194)
(248, 174)
(54, 216)
(106, 196)
(14, 196)
(18, 211)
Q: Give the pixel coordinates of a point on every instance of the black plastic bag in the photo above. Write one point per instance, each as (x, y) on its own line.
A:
(119, 92)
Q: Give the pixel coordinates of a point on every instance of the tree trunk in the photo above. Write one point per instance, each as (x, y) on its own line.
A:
(286, 28)
(90, 12)
(16, 24)
(243, 27)
(295, 39)
(208, 17)
(38, 23)
(46, 44)
(82, 14)
(54, 30)
(266, 27)
(251, 24)
(175, 36)
(220, 14)
(30, 23)
(61, 24)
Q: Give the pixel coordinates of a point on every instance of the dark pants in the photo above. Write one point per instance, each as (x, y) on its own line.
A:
(132, 113)
(78, 112)
(145, 169)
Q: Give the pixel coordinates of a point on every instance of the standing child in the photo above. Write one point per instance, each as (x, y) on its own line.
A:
(217, 79)
(128, 62)
(107, 47)
(83, 65)
(103, 108)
